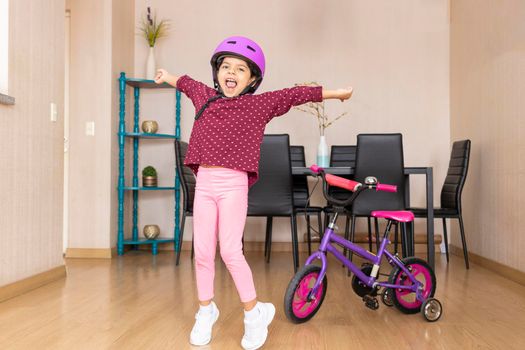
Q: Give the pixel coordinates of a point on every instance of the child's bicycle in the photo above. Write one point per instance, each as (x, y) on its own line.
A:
(410, 286)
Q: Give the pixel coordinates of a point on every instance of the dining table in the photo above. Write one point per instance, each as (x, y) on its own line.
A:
(427, 171)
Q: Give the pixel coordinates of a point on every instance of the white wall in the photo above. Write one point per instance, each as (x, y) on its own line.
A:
(4, 47)
(31, 146)
(394, 53)
(487, 104)
(102, 34)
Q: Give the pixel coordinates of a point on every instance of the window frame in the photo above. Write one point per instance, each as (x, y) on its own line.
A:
(4, 52)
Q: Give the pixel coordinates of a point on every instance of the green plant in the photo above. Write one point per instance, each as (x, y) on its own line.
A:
(317, 109)
(149, 171)
(153, 30)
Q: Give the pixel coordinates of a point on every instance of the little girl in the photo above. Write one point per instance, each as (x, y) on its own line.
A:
(224, 152)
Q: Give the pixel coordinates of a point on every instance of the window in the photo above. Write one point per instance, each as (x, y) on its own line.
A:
(4, 47)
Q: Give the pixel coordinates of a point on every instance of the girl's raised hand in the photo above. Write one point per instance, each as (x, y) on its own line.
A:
(345, 94)
(340, 94)
(162, 76)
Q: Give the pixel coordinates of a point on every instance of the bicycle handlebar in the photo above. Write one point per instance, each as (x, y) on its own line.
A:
(386, 188)
(353, 186)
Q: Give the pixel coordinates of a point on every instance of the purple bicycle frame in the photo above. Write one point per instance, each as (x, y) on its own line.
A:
(326, 245)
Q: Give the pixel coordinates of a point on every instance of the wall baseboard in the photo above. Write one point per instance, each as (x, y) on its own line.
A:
(27, 284)
(91, 253)
(504, 270)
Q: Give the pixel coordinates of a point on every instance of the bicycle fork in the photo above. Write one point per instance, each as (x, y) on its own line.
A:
(321, 255)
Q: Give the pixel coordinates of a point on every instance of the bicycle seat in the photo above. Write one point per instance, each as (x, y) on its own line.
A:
(400, 215)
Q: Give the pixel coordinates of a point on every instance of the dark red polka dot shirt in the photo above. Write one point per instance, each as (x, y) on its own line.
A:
(230, 131)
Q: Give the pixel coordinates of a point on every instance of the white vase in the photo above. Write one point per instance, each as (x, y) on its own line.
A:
(322, 153)
(150, 65)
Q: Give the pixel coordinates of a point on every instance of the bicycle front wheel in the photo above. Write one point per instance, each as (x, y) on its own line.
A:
(297, 307)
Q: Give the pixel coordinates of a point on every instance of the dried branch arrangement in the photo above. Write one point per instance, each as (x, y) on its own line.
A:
(317, 109)
(152, 30)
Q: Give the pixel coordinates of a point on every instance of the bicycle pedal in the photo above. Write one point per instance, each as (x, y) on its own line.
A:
(371, 302)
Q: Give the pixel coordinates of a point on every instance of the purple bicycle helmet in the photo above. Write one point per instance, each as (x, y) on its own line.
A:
(245, 49)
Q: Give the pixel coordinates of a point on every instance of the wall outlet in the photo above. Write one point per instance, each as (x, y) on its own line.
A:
(90, 128)
(53, 113)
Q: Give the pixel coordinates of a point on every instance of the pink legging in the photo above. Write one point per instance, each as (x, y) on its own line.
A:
(221, 204)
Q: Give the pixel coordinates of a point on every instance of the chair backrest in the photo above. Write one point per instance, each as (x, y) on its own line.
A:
(300, 182)
(380, 155)
(342, 156)
(456, 175)
(187, 179)
(272, 194)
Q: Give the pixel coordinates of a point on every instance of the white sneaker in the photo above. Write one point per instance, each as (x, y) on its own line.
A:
(256, 329)
(201, 332)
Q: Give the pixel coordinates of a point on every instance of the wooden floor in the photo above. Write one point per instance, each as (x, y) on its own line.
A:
(140, 301)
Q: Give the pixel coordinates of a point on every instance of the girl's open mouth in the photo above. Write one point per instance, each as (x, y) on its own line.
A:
(231, 83)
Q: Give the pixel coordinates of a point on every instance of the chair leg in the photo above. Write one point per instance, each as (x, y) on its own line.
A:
(445, 236)
(268, 244)
(376, 222)
(192, 248)
(352, 237)
(320, 224)
(463, 241)
(396, 237)
(404, 243)
(308, 234)
(411, 239)
(294, 243)
(181, 233)
(369, 234)
(347, 233)
(266, 238)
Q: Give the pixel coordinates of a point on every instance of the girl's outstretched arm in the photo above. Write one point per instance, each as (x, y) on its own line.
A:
(340, 94)
(164, 77)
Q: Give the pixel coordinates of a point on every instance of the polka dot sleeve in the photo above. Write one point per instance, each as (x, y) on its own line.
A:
(196, 91)
(283, 100)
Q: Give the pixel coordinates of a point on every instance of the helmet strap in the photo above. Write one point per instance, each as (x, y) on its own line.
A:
(204, 106)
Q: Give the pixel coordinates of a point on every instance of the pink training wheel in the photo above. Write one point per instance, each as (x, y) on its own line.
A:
(297, 307)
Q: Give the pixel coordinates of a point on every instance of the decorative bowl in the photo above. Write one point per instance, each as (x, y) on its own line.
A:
(150, 126)
(151, 231)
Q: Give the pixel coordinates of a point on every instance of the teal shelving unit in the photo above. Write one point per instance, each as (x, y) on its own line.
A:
(134, 137)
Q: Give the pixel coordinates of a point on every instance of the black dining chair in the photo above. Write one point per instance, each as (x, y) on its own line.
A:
(187, 181)
(381, 156)
(451, 193)
(340, 156)
(272, 194)
(301, 195)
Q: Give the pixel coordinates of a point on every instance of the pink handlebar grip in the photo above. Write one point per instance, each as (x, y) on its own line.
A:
(386, 188)
(316, 169)
(342, 182)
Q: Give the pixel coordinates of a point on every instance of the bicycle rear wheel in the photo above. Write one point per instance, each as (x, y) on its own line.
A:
(297, 307)
(406, 300)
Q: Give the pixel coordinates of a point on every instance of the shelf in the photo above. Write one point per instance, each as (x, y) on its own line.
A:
(134, 189)
(148, 241)
(128, 188)
(147, 135)
(147, 84)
